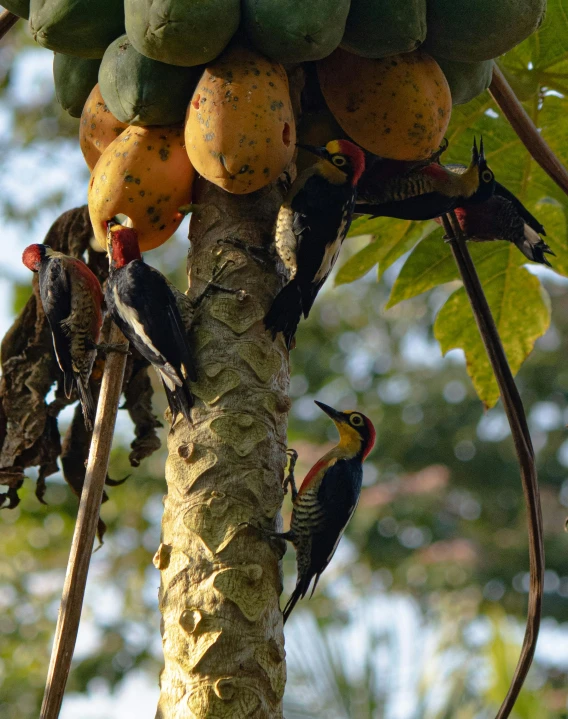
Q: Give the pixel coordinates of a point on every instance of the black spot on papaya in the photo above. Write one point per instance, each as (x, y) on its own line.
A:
(164, 154)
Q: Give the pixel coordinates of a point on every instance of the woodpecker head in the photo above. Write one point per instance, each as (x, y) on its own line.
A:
(34, 254)
(485, 177)
(341, 161)
(122, 243)
(356, 432)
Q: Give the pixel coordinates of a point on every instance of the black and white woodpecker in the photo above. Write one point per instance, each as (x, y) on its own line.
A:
(327, 499)
(141, 302)
(311, 226)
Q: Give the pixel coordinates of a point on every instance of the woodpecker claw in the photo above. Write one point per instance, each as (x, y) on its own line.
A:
(290, 478)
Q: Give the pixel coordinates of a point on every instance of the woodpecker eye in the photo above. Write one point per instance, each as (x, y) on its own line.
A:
(339, 161)
(356, 420)
(487, 176)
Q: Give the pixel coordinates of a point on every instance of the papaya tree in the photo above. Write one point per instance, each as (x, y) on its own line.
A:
(198, 110)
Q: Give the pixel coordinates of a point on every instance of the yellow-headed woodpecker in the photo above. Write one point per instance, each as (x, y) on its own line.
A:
(327, 499)
(72, 300)
(500, 219)
(426, 192)
(311, 226)
(143, 306)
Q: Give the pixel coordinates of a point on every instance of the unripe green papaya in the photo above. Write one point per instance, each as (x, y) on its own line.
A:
(467, 31)
(83, 28)
(141, 91)
(21, 8)
(379, 28)
(466, 79)
(295, 30)
(74, 78)
(181, 32)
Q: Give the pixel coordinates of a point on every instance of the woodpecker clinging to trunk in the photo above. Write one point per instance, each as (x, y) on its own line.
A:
(426, 192)
(311, 226)
(143, 306)
(327, 499)
(72, 300)
(500, 219)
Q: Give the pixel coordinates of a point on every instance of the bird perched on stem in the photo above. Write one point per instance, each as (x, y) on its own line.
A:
(142, 304)
(72, 300)
(311, 226)
(327, 499)
(426, 191)
(500, 218)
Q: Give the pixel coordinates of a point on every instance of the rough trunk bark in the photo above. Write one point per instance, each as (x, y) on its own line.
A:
(220, 580)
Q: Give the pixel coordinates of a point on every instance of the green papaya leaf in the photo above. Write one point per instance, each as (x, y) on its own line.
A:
(520, 308)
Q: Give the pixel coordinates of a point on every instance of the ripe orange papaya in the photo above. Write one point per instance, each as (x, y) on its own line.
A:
(398, 108)
(239, 129)
(98, 127)
(146, 175)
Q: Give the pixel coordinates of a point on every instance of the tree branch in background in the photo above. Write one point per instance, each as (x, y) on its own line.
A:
(85, 529)
(523, 446)
(525, 128)
(7, 22)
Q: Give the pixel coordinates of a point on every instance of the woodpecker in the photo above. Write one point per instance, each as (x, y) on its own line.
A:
(311, 226)
(327, 499)
(142, 304)
(72, 300)
(426, 192)
(498, 218)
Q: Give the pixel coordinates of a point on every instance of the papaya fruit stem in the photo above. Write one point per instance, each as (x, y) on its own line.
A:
(526, 130)
(7, 22)
(523, 447)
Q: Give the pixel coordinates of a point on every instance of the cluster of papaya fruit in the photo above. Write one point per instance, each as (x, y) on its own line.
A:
(201, 85)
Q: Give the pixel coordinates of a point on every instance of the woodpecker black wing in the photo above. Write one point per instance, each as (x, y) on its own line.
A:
(338, 493)
(322, 216)
(422, 207)
(55, 293)
(144, 307)
(531, 220)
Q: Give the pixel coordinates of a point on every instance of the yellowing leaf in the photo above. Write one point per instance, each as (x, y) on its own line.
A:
(521, 311)
(431, 264)
(391, 239)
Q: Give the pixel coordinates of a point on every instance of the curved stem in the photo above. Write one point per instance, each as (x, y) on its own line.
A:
(525, 128)
(7, 22)
(523, 447)
(84, 535)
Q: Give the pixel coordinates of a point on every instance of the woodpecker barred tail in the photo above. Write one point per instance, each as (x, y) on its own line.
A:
(327, 500)
(142, 304)
(311, 226)
(72, 299)
(426, 192)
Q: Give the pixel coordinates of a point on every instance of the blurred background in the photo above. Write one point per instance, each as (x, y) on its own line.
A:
(421, 613)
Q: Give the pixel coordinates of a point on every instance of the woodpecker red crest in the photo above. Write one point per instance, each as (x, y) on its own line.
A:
(72, 299)
(142, 304)
(327, 499)
(312, 223)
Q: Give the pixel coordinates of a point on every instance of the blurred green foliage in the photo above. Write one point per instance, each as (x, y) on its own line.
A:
(440, 533)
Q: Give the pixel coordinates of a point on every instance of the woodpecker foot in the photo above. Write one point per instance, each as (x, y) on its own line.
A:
(290, 478)
(258, 254)
(270, 534)
(240, 294)
(121, 348)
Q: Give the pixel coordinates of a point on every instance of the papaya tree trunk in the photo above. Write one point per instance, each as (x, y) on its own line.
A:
(220, 579)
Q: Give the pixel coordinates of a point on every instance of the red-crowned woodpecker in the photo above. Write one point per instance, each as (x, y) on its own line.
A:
(72, 300)
(311, 226)
(142, 304)
(327, 499)
(425, 192)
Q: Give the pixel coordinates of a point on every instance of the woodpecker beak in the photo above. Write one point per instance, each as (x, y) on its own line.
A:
(481, 152)
(474, 153)
(319, 151)
(335, 415)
